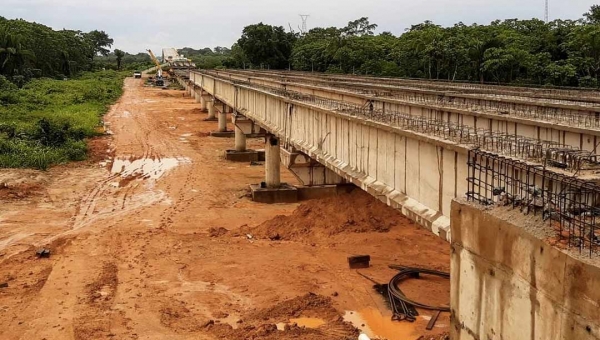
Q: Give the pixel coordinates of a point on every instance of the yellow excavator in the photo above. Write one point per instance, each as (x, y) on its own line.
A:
(159, 80)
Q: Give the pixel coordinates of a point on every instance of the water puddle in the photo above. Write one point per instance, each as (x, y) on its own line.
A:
(378, 326)
(146, 168)
(302, 322)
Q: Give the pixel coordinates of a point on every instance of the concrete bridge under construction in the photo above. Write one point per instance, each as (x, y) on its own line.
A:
(441, 152)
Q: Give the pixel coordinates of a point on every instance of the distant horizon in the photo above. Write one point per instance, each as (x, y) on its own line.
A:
(177, 28)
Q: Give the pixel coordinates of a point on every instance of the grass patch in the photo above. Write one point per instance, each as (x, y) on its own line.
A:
(47, 121)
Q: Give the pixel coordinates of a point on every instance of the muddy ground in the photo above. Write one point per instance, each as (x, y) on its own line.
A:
(155, 237)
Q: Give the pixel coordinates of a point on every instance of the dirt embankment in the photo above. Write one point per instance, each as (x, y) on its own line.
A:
(355, 212)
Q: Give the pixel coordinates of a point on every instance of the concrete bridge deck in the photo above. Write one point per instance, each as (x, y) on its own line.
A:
(414, 164)
(504, 124)
(565, 94)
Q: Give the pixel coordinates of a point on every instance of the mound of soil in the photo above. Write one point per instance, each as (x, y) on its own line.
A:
(309, 305)
(262, 324)
(355, 212)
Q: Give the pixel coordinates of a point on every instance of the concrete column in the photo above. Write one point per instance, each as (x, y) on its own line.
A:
(203, 103)
(223, 119)
(211, 110)
(197, 96)
(272, 162)
(240, 140)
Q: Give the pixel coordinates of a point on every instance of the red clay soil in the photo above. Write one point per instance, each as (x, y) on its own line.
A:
(137, 257)
(356, 212)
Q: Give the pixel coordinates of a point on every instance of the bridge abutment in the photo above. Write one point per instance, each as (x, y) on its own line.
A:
(506, 279)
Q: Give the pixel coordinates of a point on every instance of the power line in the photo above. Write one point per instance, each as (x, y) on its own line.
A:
(304, 17)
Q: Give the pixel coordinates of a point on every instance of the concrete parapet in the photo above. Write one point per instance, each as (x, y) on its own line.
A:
(508, 284)
(283, 194)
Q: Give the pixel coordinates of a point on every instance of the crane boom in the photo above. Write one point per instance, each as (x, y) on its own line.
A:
(159, 74)
(154, 58)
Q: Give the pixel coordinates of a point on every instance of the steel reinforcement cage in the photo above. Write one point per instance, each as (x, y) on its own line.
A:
(570, 205)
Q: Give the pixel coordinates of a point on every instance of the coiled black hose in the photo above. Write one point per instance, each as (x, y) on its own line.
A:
(402, 306)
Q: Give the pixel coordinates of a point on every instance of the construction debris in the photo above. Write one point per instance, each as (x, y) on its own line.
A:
(434, 318)
(43, 253)
(359, 261)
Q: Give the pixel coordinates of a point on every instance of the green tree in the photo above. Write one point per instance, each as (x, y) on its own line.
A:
(593, 15)
(99, 43)
(267, 46)
(119, 55)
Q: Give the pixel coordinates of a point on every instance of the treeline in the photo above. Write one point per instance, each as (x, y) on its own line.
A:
(207, 58)
(562, 52)
(120, 60)
(31, 50)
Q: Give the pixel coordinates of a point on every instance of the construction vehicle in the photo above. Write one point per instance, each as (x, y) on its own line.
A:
(158, 80)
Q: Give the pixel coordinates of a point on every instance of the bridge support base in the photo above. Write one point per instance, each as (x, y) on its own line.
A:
(222, 134)
(246, 156)
(284, 194)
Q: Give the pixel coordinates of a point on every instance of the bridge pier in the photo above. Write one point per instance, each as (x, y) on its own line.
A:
(272, 161)
(211, 110)
(203, 101)
(244, 128)
(197, 96)
(222, 120)
(272, 190)
(240, 140)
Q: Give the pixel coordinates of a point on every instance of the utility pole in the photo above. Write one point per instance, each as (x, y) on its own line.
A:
(546, 12)
(304, 17)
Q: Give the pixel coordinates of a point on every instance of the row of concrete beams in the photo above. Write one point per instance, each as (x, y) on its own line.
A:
(578, 137)
(484, 140)
(565, 94)
(575, 116)
(388, 90)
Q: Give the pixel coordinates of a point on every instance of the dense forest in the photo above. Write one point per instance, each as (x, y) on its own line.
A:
(30, 50)
(561, 52)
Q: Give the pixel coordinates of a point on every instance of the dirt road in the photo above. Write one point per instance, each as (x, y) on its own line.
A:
(149, 240)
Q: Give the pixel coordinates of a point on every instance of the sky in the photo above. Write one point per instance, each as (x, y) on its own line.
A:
(137, 25)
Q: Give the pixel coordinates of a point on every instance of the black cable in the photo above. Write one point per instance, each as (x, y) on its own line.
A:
(406, 272)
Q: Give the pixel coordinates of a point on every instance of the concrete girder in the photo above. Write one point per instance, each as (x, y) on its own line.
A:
(308, 171)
